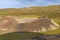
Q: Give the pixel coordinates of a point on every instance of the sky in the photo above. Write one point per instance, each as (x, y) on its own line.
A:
(27, 3)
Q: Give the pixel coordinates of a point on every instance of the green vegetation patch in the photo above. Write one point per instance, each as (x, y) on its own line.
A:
(18, 35)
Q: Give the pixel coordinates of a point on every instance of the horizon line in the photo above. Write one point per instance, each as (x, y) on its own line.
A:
(28, 6)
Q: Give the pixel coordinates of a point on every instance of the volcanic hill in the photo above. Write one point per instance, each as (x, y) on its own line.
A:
(38, 25)
(7, 25)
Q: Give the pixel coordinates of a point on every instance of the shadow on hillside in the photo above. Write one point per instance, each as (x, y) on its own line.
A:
(29, 36)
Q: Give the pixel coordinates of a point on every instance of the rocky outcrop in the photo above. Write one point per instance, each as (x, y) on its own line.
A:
(44, 37)
(29, 36)
(7, 24)
(39, 25)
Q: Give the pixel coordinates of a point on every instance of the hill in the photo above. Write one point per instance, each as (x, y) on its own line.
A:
(7, 25)
(50, 11)
(38, 25)
(36, 11)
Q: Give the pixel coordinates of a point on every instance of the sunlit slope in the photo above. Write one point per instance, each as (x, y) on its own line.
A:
(51, 11)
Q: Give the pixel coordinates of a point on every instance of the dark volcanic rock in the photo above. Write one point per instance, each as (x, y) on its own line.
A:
(43, 37)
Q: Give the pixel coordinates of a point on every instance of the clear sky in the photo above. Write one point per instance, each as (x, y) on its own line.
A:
(27, 3)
